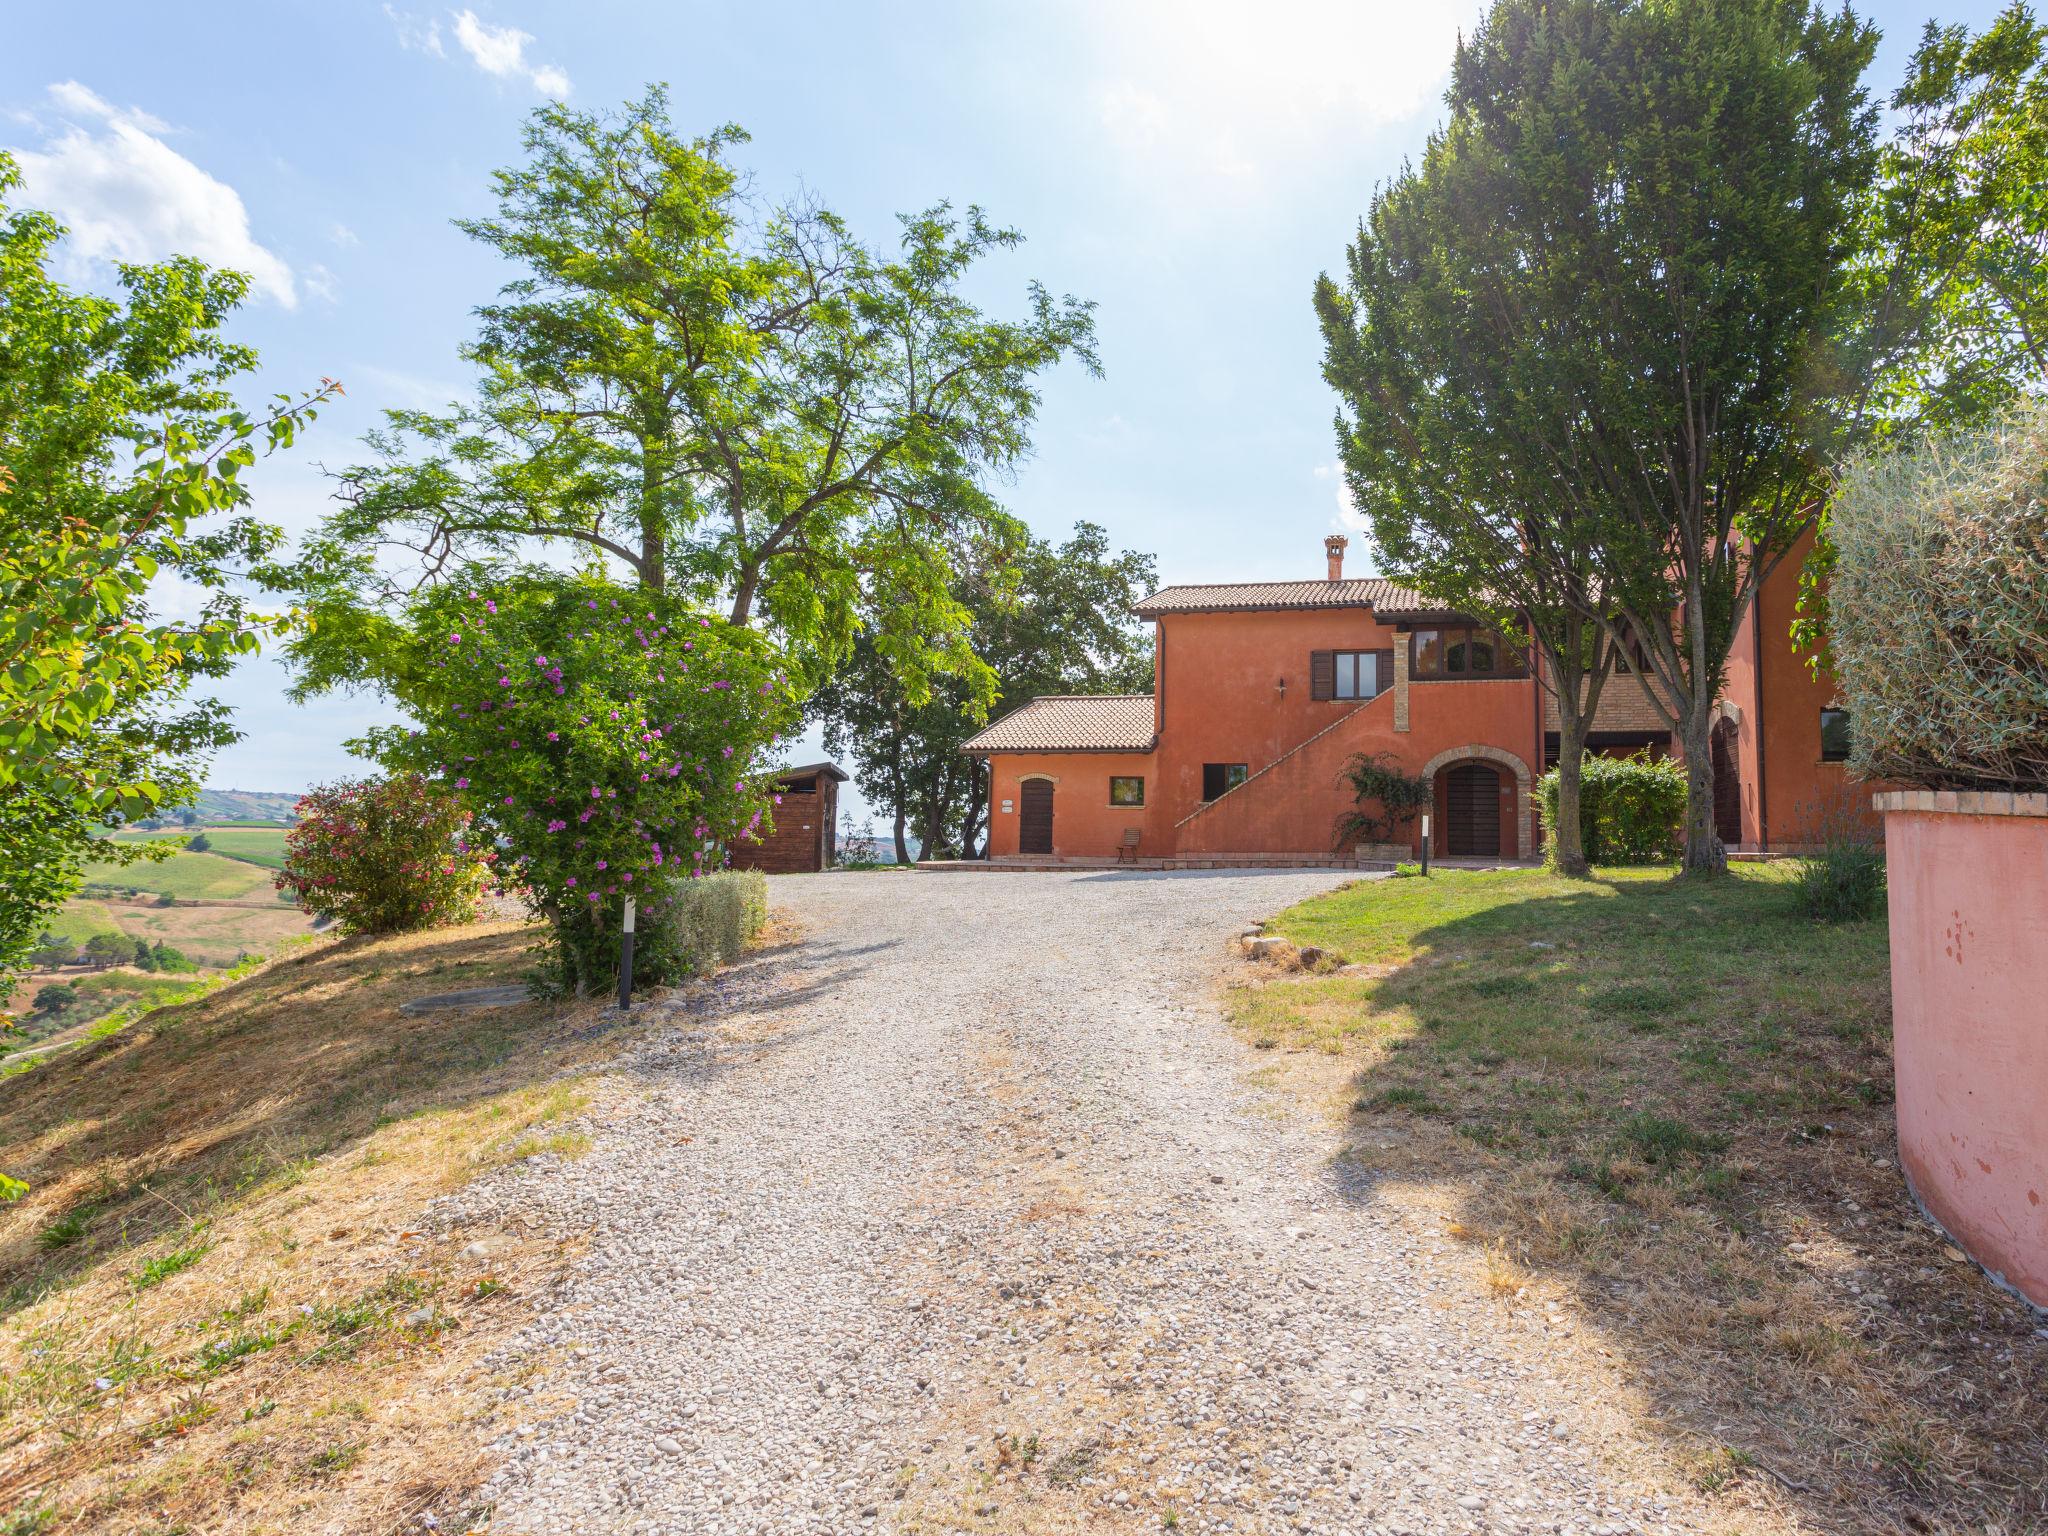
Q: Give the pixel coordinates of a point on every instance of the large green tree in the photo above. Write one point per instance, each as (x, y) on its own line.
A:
(1049, 618)
(1947, 319)
(1671, 192)
(121, 453)
(736, 400)
(1447, 398)
(1949, 293)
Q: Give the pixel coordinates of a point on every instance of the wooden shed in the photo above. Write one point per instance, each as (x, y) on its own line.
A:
(806, 836)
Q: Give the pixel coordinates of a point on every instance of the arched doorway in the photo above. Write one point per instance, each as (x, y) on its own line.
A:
(1034, 827)
(1514, 833)
(1472, 811)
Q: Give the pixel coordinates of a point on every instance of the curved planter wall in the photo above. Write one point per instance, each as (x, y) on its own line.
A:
(1969, 934)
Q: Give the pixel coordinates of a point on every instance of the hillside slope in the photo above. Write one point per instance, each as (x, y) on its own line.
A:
(217, 1311)
(246, 805)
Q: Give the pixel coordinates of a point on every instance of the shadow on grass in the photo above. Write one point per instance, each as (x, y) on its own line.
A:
(1671, 1099)
(192, 1106)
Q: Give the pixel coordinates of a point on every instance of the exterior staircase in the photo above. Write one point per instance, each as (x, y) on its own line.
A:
(1294, 800)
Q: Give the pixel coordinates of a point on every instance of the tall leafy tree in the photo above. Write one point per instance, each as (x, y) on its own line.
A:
(737, 400)
(1046, 619)
(1947, 319)
(1672, 187)
(1447, 398)
(1949, 294)
(121, 453)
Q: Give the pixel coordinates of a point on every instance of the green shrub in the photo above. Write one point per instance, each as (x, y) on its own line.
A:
(1938, 608)
(1842, 876)
(712, 919)
(1631, 809)
(384, 856)
(171, 961)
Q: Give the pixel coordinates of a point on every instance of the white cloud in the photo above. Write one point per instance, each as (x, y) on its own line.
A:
(1234, 96)
(383, 387)
(320, 283)
(127, 196)
(1347, 516)
(70, 96)
(501, 51)
(416, 34)
(341, 234)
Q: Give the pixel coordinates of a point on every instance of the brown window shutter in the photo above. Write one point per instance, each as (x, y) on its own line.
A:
(1322, 674)
(1386, 671)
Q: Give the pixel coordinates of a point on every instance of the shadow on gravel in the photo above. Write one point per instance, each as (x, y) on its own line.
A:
(766, 986)
(1673, 1101)
(1124, 876)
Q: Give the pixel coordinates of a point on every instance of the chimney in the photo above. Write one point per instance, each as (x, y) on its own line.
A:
(1334, 547)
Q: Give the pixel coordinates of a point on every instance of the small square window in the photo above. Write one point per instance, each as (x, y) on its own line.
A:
(1834, 735)
(1123, 791)
(1218, 779)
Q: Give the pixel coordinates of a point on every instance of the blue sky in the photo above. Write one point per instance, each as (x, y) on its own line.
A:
(1190, 166)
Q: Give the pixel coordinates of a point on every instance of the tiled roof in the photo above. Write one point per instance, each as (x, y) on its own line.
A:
(1373, 592)
(1069, 722)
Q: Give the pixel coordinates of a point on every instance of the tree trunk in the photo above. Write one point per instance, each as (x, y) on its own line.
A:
(1704, 852)
(1567, 835)
(1577, 691)
(902, 847)
(653, 557)
(970, 826)
(743, 597)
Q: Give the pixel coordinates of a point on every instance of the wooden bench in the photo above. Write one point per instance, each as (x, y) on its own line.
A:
(1127, 850)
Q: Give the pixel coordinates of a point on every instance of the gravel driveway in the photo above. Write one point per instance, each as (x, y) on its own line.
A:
(962, 1213)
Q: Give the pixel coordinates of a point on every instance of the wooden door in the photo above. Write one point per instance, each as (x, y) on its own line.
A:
(1727, 783)
(1472, 811)
(1034, 832)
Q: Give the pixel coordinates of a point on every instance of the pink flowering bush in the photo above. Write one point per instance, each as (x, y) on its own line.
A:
(606, 739)
(384, 856)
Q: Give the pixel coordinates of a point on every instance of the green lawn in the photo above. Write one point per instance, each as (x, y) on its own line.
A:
(189, 876)
(1589, 1019)
(1671, 1100)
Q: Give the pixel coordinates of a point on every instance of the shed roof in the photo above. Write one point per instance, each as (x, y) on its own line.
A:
(1373, 592)
(809, 769)
(1072, 722)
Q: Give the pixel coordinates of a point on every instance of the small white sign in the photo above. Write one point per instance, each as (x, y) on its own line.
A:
(1006, 806)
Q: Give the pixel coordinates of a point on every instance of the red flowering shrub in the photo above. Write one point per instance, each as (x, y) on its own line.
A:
(384, 856)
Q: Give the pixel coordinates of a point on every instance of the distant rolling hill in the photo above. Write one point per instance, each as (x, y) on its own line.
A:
(245, 805)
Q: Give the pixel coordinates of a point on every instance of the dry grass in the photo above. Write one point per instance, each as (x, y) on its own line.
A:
(211, 935)
(1663, 1109)
(217, 1315)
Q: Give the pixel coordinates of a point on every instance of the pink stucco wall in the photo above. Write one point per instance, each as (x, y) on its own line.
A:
(1969, 937)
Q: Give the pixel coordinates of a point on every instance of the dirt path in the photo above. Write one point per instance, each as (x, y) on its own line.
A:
(966, 1213)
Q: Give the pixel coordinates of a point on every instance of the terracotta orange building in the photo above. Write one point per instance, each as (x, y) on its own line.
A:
(1264, 690)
